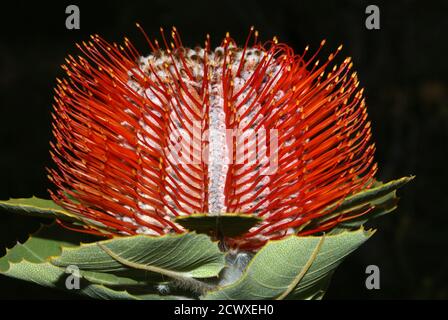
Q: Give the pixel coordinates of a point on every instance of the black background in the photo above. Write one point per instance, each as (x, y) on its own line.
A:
(403, 67)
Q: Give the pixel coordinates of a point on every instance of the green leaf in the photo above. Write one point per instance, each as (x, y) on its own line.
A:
(375, 193)
(36, 207)
(42, 273)
(181, 258)
(101, 292)
(48, 275)
(46, 242)
(188, 254)
(227, 224)
(105, 293)
(292, 268)
(377, 201)
(30, 261)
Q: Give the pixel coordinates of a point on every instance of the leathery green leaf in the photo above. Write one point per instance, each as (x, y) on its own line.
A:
(180, 257)
(364, 205)
(36, 207)
(293, 268)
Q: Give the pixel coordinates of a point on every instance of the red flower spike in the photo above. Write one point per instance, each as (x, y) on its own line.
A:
(141, 140)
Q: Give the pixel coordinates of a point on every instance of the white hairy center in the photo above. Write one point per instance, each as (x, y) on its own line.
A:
(162, 69)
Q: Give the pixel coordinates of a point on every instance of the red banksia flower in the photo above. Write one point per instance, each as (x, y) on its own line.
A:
(119, 115)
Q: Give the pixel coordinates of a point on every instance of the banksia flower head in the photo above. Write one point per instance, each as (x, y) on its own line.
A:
(257, 130)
